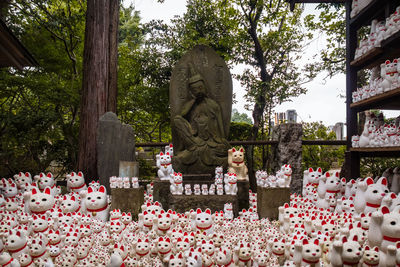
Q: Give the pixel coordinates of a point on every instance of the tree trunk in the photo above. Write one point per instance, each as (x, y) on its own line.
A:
(99, 83)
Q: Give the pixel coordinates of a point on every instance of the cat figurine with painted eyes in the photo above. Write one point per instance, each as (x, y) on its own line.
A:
(370, 257)
(37, 202)
(369, 195)
(16, 243)
(308, 253)
(22, 178)
(164, 166)
(203, 221)
(236, 163)
(47, 181)
(141, 249)
(96, 203)
(76, 182)
(162, 223)
(345, 253)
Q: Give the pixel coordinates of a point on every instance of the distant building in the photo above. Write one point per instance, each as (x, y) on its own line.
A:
(338, 128)
(289, 115)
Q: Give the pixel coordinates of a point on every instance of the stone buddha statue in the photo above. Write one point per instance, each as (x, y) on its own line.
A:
(200, 129)
(200, 98)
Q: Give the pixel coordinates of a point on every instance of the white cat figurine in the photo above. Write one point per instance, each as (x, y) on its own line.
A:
(96, 203)
(164, 166)
(236, 163)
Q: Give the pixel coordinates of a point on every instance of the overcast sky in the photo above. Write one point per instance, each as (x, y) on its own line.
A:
(322, 102)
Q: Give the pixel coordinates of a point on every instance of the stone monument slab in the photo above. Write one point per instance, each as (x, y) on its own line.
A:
(115, 143)
(128, 200)
(269, 200)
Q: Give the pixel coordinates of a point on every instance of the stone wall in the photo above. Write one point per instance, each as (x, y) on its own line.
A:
(289, 151)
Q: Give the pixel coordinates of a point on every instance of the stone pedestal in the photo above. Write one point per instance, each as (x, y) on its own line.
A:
(182, 203)
(243, 194)
(127, 200)
(161, 193)
(289, 151)
(269, 200)
(115, 143)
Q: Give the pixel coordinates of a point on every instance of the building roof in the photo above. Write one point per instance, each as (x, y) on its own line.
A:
(12, 52)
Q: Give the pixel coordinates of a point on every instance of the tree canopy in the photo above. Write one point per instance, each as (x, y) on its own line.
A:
(39, 107)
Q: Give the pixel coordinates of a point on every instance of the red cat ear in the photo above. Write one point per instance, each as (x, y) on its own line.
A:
(344, 239)
(34, 192)
(80, 174)
(47, 191)
(310, 170)
(355, 238)
(241, 149)
(198, 211)
(90, 189)
(208, 211)
(316, 242)
(49, 175)
(376, 249)
(369, 181)
(385, 210)
(305, 241)
(102, 189)
(366, 248)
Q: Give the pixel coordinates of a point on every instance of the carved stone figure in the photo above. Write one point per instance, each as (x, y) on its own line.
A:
(201, 101)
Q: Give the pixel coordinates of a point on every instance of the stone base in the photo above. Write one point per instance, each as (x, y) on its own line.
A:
(243, 194)
(161, 192)
(127, 200)
(270, 199)
(182, 203)
(197, 177)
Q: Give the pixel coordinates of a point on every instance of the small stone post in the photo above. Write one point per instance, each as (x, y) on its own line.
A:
(289, 151)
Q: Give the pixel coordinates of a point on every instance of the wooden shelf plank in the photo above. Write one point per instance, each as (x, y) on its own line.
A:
(376, 149)
(381, 101)
(372, 152)
(390, 49)
(364, 59)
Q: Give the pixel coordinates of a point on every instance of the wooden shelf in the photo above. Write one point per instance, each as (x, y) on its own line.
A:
(390, 48)
(388, 100)
(373, 53)
(372, 11)
(393, 151)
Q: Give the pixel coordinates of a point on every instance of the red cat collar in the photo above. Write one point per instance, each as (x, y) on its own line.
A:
(373, 205)
(204, 228)
(141, 255)
(310, 262)
(38, 212)
(77, 187)
(351, 263)
(238, 162)
(35, 257)
(333, 192)
(278, 254)
(8, 262)
(97, 210)
(391, 239)
(17, 250)
(163, 253)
